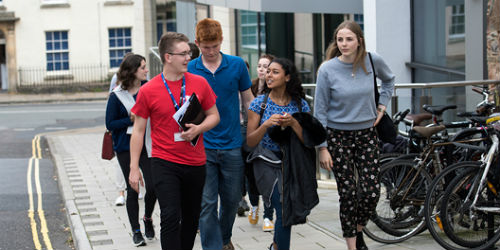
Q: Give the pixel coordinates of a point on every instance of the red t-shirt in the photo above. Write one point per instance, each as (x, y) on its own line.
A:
(154, 102)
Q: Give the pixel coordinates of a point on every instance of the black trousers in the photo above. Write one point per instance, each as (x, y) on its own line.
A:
(132, 196)
(179, 188)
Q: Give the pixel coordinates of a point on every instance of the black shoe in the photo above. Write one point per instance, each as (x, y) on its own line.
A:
(360, 242)
(241, 211)
(138, 239)
(149, 230)
(242, 208)
(245, 206)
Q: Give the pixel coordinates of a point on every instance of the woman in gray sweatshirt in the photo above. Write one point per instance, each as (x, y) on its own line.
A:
(344, 104)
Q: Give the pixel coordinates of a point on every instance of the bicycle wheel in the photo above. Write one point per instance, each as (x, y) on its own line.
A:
(468, 227)
(387, 157)
(399, 214)
(433, 202)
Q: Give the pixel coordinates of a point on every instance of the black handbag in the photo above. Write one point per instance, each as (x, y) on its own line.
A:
(385, 128)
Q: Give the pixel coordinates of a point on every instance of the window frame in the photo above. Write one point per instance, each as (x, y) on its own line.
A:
(53, 51)
(115, 60)
(457, 11)
(252, 35)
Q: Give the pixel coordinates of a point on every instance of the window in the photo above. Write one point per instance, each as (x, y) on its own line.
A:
(166, 19)
(57, 50)
(358, 18)
(120, 43)
(457, 26)
(250, 28)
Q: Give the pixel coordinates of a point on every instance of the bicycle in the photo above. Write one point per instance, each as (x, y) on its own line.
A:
(470, 205)
(404, 183)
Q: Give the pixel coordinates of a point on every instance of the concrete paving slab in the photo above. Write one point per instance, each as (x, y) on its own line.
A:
(79, 150)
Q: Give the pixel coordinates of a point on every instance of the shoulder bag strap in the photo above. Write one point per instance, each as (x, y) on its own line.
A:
(374, 80)
(263, 105)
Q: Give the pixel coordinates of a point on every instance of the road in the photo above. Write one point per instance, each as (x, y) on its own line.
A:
(32, 212)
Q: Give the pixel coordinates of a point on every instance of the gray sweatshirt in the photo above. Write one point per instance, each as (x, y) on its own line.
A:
(347, 102)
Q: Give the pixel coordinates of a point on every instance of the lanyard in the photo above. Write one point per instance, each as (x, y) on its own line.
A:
(183, 92)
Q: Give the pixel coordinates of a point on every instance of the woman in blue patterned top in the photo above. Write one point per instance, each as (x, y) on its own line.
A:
(285, 97)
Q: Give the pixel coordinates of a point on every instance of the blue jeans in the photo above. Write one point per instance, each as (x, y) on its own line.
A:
(281, 234)
(224, 170)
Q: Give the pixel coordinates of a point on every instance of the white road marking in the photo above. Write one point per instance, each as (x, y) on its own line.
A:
(23, 129)
(55, 128)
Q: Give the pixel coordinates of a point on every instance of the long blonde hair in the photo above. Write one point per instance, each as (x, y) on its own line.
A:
(333, 50)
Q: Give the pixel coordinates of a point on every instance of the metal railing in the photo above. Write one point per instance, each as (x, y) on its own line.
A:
(76, 78)
(310, 87)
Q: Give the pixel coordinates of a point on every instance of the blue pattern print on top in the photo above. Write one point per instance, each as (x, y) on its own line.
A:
(271, 109)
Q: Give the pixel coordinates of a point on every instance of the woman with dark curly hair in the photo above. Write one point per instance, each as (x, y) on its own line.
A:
(283, 97)
(119, 120)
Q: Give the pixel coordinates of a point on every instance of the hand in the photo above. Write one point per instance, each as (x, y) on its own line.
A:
(135, 178)
(132, 117)
(380, 112)
(274, 120)
(287, 120)
(325, 159)
(192, 131)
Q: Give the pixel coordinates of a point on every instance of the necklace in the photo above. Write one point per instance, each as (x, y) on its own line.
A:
(341, 58)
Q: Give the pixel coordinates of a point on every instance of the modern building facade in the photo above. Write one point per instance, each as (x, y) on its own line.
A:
(421, 40)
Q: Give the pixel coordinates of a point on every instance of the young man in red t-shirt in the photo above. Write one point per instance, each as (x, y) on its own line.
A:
(177, 167)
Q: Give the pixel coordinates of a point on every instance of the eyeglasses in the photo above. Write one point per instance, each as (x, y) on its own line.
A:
(184, 54)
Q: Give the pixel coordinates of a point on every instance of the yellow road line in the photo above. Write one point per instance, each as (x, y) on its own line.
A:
(39, 149)
(43, 223)
(31, 213)
(37, 155)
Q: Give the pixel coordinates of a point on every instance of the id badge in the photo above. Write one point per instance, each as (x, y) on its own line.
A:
(177, 137)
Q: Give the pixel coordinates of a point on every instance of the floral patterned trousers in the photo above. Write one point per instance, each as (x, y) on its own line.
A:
(355, 151)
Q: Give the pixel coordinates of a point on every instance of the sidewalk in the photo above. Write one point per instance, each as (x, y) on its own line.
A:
(88, 186)
(6, 98)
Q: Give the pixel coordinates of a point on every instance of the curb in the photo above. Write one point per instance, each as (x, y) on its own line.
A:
(80, 239)
(52, 98)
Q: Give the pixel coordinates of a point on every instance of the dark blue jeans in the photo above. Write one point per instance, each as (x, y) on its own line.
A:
(281, 233)
(223, 180)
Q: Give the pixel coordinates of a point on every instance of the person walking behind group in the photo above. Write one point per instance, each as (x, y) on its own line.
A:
(228, 76)
(195, 51)
(119, 121)
(345, 104)
(257, 88)
(178, 167)
(121, 185)
(279, 131)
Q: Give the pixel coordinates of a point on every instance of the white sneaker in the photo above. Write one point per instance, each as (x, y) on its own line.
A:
(141, 196)
(268, 225)
(120, 201)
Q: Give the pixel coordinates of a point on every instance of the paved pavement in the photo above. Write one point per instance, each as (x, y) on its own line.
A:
(88, 186)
